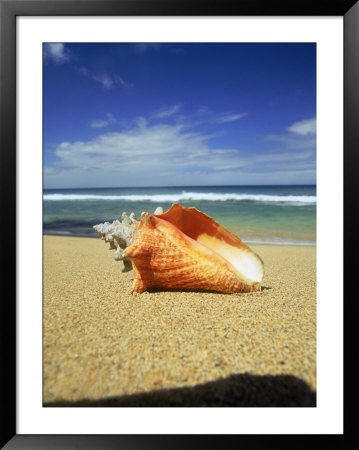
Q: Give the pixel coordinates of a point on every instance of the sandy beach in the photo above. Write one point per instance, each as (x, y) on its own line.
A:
(104, 345)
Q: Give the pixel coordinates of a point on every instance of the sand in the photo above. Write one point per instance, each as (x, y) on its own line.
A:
(104, 345)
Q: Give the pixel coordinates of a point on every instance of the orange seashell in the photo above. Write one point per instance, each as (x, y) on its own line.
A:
(186, 249)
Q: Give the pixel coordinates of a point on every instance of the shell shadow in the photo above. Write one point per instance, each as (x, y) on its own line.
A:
(199, 291)
(241, 390)
(189, 291)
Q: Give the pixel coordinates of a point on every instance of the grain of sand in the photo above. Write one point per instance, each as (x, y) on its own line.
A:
(105, 345)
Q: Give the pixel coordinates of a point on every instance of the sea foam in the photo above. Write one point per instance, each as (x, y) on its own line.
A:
(185, 196)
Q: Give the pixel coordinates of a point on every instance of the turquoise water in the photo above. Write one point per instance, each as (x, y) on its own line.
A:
(257, 214)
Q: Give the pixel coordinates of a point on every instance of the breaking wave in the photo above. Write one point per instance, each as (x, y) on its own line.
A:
(184, 196)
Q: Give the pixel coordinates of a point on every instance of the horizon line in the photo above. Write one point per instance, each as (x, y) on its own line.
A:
(180, 186)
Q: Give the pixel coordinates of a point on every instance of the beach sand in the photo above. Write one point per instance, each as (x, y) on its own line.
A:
(104, 345)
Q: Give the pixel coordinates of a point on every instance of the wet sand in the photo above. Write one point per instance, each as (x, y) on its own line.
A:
(104, 345)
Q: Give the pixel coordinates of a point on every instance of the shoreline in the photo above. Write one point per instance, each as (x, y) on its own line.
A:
(247, 242)
(104, 345)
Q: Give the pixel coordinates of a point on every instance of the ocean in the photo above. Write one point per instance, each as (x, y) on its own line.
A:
(257, 214)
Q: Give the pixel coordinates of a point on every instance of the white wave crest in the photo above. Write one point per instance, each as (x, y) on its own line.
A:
(196, 196)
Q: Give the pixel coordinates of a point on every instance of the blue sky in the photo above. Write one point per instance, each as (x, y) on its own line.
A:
(179, 114)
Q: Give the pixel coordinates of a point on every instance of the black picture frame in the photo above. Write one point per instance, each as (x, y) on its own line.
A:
(9, 10)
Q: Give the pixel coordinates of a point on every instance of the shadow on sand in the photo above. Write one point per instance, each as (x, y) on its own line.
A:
(233, 391)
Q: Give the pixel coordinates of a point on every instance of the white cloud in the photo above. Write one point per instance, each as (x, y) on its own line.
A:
(101, 123)
(108, 81)
(165, 154)
(119, 80)
(141, 122)
(56, 52)
(304, 127)
(142, 155)
(206, 115)
(85, 72)
(300, 137)
(230, 117)
(167, 112)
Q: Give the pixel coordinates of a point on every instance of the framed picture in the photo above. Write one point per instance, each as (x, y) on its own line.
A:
(110, 107)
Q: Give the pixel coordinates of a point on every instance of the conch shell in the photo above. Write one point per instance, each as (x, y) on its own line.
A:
(184, 248)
